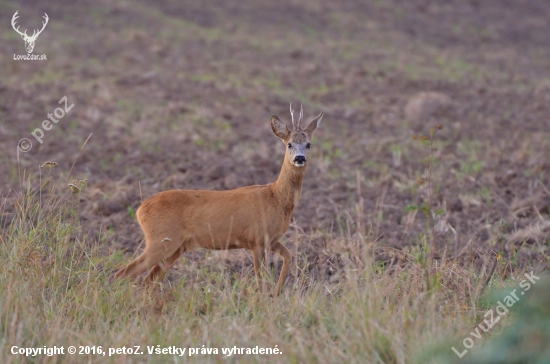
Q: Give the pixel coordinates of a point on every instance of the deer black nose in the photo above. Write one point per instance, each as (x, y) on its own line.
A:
(300, 159)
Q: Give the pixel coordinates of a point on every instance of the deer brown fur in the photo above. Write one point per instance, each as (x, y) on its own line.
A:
(252, 217)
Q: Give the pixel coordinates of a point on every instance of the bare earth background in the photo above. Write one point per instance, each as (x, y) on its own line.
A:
(179, 94)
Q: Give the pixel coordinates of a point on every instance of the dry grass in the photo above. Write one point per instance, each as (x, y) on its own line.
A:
(56, 289)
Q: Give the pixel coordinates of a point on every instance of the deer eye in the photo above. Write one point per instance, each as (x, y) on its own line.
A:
(308, 145)
(289, 145)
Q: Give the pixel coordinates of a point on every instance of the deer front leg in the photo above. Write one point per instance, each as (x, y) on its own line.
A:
(259, 259)
(257, 252)
(280, 249)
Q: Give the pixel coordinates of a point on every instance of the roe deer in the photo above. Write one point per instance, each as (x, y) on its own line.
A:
(252, 217)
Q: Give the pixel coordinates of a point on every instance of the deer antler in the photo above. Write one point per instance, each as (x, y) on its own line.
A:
(35, 33)
(13, 19)
(292, 115)
(43, 24)
(296, 125)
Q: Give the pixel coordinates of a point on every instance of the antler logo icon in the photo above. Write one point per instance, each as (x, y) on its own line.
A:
(29, 40)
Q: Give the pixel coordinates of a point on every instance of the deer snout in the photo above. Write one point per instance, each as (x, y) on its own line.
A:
(299, 160)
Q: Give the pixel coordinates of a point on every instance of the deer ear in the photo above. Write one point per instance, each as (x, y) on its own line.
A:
(313, 124)
(279, 128)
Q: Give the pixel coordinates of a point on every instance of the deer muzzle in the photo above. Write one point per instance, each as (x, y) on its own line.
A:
(300, 161)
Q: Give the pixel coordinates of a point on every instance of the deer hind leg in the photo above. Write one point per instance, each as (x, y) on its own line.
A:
(160, 269)
(154, 253)
(287, 259)
(135, 268)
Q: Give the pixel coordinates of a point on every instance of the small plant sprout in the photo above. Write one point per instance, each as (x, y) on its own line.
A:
(76, 186)
(427, 208)
(49, 165)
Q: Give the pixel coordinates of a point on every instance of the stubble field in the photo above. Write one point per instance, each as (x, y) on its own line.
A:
(180, 95)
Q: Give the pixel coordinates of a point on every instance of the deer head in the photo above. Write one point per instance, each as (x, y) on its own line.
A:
(29, 40)
(298, 140)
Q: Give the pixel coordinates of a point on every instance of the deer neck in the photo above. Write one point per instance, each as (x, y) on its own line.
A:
(288, 186)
